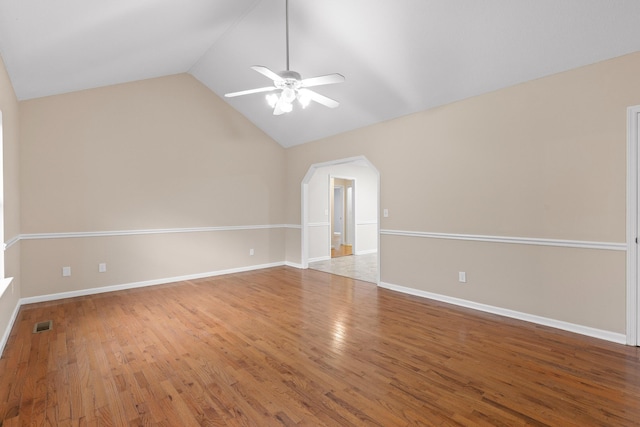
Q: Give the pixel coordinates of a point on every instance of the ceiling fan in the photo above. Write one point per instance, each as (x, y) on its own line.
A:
(291, 85)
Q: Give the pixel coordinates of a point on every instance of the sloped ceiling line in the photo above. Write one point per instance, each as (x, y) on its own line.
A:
(398, 56)
(227, 31)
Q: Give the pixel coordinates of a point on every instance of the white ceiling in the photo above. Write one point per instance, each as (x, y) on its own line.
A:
(398, 56)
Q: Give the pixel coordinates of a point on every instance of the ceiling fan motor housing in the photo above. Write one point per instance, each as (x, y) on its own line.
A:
(290, 79)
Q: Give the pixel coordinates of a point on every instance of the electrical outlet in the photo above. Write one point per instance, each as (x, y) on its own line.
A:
(66, 271)
(385, 213)
(102, 267)
(462, 277)
(251, 252)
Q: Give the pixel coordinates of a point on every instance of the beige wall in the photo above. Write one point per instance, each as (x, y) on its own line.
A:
(11, 197)
(143, 258)
(163, 153)
(544, 159)
(293, 255)
(579, 286)
(158, 153)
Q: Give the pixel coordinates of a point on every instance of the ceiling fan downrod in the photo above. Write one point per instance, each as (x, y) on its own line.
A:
(290, 84)
(286, 18)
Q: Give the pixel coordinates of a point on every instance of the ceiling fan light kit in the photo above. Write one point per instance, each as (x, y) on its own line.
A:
(291, 85)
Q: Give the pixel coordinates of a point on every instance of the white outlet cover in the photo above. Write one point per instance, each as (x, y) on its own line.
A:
(66, 271)
(102, 267)
(462, 277)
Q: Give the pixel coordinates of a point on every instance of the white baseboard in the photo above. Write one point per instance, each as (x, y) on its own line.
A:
(93, 291)
(367, 252)
(7, 332)
(566, 326)
(320, 258)
(558, 324)
(294, 265)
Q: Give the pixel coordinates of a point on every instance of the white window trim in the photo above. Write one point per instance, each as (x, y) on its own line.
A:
(4, 285)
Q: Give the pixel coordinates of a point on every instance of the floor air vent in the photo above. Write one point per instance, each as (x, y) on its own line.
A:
(42, 326)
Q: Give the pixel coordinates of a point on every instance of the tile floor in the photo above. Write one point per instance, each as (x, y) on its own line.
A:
(360, 267)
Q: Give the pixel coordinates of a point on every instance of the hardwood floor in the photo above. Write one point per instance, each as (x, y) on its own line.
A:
(299, 347)
(342, 250)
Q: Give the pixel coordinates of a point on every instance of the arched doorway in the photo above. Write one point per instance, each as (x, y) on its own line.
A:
(316, 213)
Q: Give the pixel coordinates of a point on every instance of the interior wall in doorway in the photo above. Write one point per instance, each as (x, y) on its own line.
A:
(342, 219)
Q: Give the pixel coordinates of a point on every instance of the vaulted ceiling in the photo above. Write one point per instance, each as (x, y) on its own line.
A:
(398, 56)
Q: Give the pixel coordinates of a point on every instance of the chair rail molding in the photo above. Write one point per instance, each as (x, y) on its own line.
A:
(611, 246)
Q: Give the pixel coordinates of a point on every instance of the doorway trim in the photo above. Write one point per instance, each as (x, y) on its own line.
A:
(332, 209)
(304, 236)
(633, 286)
(353, 213)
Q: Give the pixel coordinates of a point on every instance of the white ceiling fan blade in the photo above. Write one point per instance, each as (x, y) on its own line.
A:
(267, 73)
(320, 99)
(323, 80)
(250, 91)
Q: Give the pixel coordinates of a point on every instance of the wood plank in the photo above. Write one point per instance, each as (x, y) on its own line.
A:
(283, 346)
